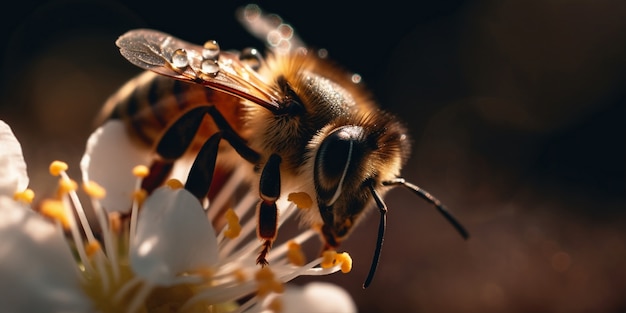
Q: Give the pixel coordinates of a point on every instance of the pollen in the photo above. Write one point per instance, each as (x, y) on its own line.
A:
(56, 167)
(141, 171)
(328, 259)
(67, 185)
(234, 228)
(240, 275)
(206, 273)
(54, 209)
(276, 305)
(140, 195)
(94, 190)
(266, 282)
(301, 199)
(25, 196)
(295, 254)
(346, 262)
(92, 247)
(174, 183)
(115, 222)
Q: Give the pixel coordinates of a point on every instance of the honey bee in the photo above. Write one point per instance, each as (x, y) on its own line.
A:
(299, 119)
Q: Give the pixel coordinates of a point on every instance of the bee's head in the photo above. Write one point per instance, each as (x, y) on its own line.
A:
(349, 158)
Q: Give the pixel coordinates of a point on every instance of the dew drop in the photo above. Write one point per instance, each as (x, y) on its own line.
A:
(252, 12)
(210, 67)
(273, 38)
(322, 53)
(179, 58)
(356, 78)
(285, 31)
(251, 57)
(211, 50)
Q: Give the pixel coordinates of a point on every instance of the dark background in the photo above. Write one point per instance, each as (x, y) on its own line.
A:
(516, 109)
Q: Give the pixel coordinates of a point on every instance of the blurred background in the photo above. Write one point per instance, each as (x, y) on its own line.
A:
(516, 109)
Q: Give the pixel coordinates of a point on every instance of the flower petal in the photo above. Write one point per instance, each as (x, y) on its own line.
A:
(13, 176)
(316, 297)
(173, 236)
(109, 160)
(37, 269)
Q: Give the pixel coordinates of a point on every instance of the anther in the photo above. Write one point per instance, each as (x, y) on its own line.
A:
(295, 254)
(67, 185)
(57, 167)
(267, 283)
(140, 195)
(328, 259)
(56, 210)
(234, 228)
(141, 171)
(240, 275)
(301, 199)
(92, 247)
(276, 305)
(174, 183)
(94, 190)
(25, 196)
(346, 262)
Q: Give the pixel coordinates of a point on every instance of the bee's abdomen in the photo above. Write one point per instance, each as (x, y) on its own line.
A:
(149, 103)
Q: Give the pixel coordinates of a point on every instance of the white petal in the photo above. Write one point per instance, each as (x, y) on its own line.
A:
(109, 160)
(314, 298)
(13, 176)
(37, 269)
(173, 236)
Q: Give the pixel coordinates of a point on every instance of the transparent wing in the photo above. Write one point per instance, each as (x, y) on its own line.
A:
(206, 65)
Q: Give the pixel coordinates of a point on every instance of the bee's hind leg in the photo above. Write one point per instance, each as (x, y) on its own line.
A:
(269, 189)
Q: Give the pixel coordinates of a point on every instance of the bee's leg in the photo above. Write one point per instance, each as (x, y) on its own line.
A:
(238, 143)
(269, 189)
(172, 145)
(201, 172)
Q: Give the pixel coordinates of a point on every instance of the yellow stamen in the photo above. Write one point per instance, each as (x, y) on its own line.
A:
(56, 167)
(206, 273)
(295, 254)
(174, 183)
(115, 222)
(94, 190)
(346, 262)
(141, 171)
(240, 275)
(234, 228)
(267, 283)
(328, 259)
(264, 274)
(276, 305)
(92, 247)
(301, 199)
(54, 209)
(140, 195)
(25, 196)
(67, 185)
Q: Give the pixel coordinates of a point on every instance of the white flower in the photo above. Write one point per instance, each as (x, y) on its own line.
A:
(157, 252)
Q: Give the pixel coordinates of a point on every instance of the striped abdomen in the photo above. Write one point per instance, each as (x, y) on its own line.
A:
(149, 103)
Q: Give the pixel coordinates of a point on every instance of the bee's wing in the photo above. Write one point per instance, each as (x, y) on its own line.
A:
(153, 50)
(279, 36)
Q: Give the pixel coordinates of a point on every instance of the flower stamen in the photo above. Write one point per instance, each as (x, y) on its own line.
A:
(234, 228)
(25, 196)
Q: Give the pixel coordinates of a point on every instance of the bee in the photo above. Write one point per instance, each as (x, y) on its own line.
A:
(300, 120)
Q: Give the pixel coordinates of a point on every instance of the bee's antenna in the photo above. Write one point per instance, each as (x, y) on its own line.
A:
(429, 198)
(382, 225)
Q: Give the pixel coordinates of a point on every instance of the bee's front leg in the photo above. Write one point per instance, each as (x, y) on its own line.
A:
(267, 212)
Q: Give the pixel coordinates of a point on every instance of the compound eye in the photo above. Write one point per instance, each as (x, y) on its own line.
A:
(337, 157)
